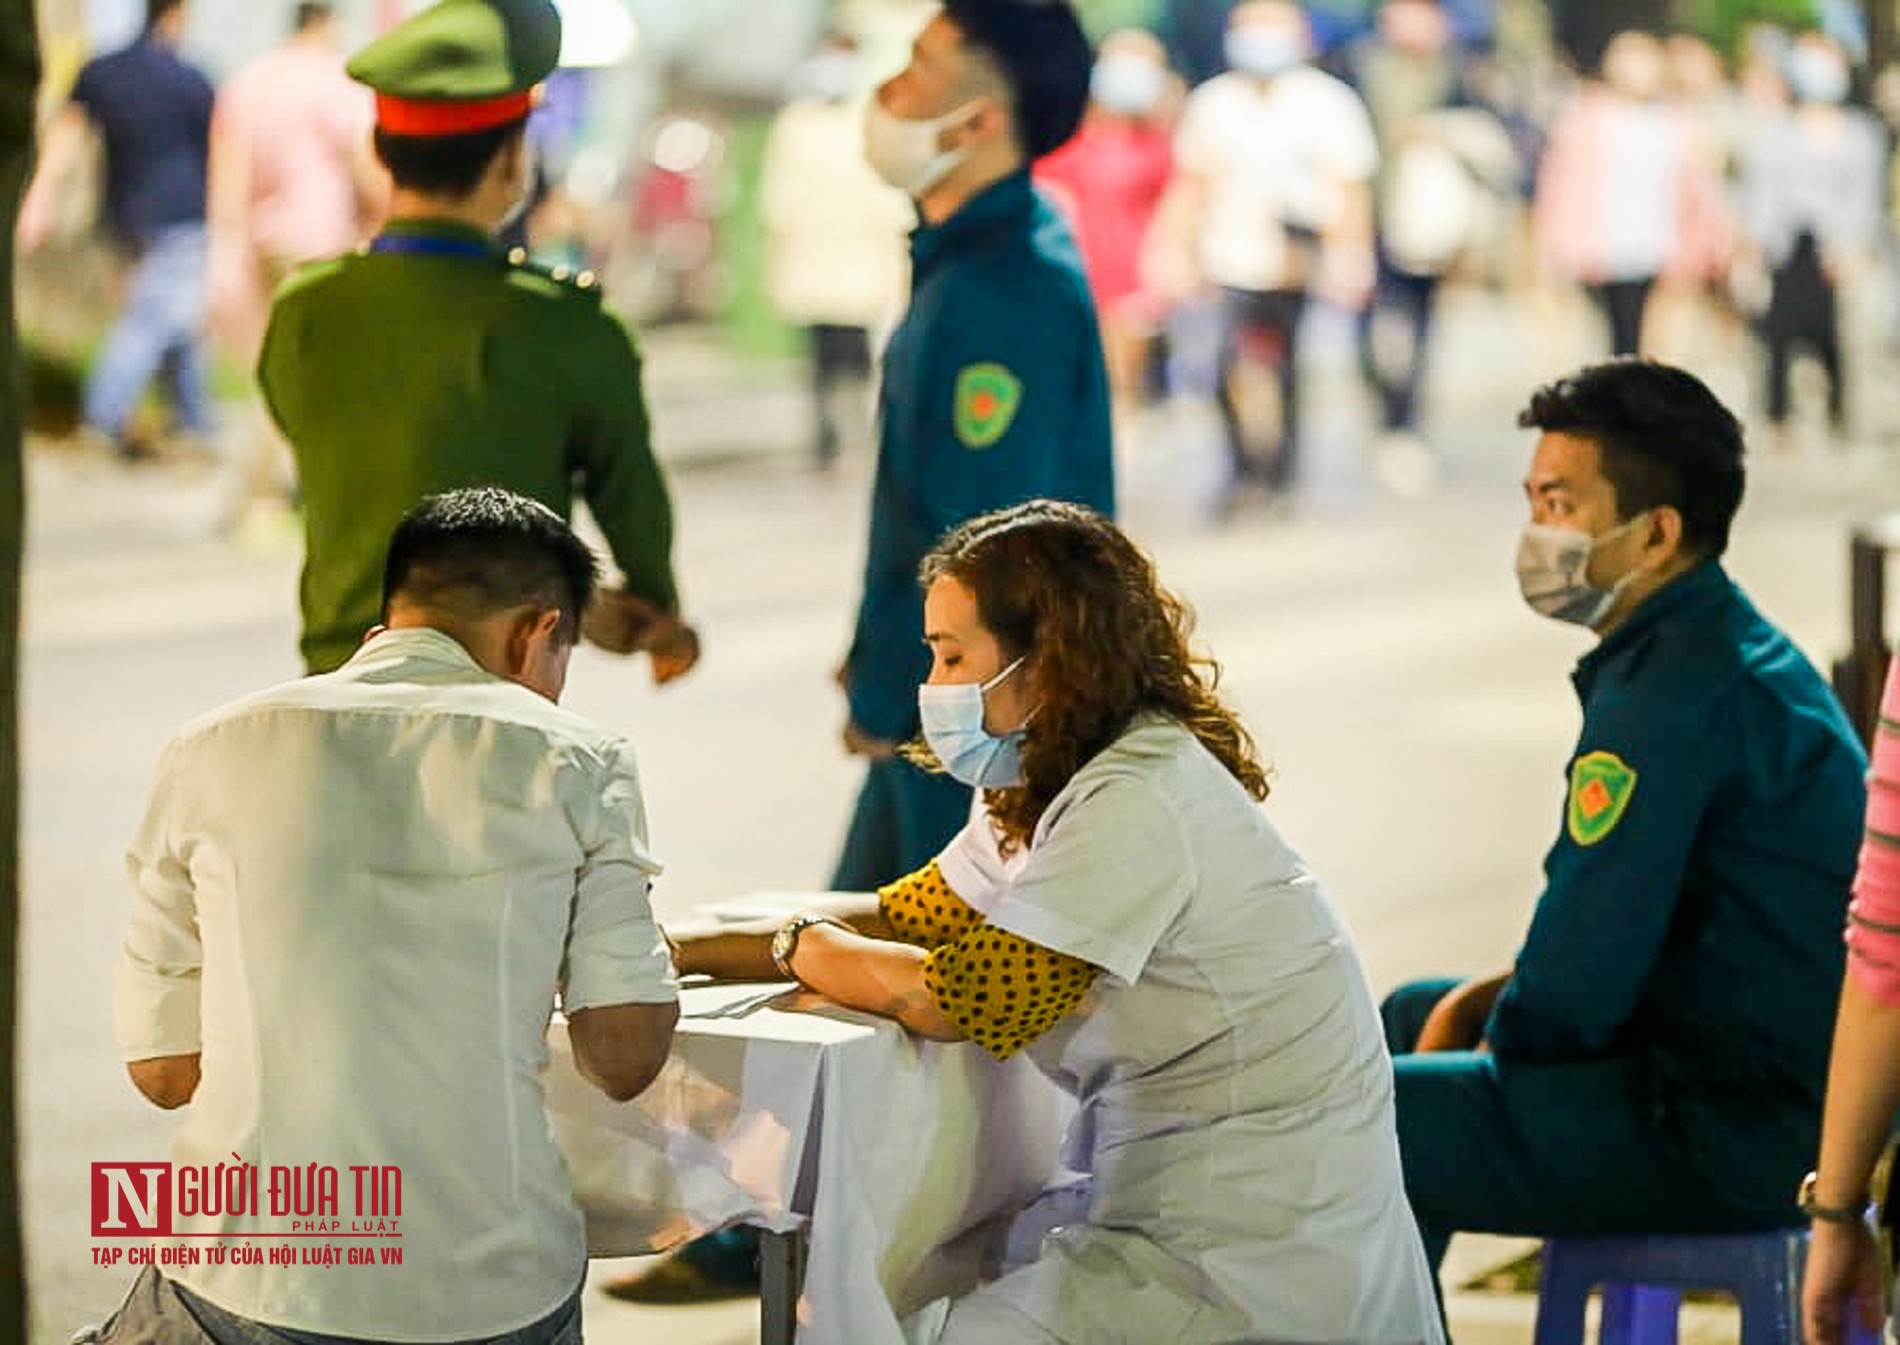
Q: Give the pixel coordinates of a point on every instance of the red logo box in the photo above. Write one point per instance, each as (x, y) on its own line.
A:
(131, 1200)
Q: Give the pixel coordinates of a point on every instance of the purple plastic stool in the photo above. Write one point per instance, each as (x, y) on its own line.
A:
(1643, 1278)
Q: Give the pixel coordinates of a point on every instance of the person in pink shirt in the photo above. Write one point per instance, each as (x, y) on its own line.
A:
(1108, 181)
(1863, 1083)
(292, 180)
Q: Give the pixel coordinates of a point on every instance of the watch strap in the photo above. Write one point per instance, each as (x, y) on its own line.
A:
(785, 941)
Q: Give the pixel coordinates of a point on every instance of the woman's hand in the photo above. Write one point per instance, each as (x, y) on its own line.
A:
(1842, 1278)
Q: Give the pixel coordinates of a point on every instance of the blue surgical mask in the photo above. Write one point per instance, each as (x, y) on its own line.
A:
(1127, 85)
(1264, 52)
(953, 726)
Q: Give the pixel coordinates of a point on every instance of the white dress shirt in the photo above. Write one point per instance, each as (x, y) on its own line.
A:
(358, 895)
(1270, 156)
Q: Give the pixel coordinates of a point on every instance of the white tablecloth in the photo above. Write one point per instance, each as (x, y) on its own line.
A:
(905, 1156)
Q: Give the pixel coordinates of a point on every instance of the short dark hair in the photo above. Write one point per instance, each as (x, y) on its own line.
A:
(1039, 48)
(476, 552)
(1664, 437)
(309, 13)
(444, 165)
(158, 9)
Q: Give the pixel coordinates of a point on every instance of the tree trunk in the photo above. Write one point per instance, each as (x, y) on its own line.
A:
(19, 84)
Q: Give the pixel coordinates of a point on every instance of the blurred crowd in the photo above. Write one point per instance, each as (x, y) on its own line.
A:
(1711, 205)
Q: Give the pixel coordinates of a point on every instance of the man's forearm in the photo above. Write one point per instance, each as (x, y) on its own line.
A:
(167, 1081)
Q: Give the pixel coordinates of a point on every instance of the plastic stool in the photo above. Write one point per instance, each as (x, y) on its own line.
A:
(1643, 1278)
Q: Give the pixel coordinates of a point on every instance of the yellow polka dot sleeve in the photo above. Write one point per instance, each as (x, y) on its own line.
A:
(1001, 990)
(922, 910)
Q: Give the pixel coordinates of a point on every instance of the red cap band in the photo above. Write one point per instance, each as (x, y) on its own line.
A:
(440, 116)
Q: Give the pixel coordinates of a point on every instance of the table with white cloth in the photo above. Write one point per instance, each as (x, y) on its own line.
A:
(899, 1160)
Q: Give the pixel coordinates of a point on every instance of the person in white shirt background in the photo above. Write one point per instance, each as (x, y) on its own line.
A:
(1271, 204)
(357, 896)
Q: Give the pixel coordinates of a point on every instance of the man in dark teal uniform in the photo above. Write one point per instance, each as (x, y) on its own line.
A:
(433, 361)
(1655, 1060)
(994, 390)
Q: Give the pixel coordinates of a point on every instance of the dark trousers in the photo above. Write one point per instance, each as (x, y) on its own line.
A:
(1394, 337)
(839, 357)
(1261, 328)
(158, 1312)
(1803, 314)
(1575, 1148)
(1622, 303)
(904, 818)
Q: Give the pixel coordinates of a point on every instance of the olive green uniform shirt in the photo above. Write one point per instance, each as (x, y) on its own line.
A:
(431, 363)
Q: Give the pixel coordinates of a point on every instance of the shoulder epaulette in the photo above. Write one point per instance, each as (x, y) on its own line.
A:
(581, 281)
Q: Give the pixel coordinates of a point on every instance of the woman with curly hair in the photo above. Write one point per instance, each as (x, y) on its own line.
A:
(1120, 909)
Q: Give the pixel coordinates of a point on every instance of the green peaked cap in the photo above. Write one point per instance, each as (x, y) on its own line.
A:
(464, 50)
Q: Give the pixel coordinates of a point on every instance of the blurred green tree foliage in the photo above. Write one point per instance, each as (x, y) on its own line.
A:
(1105, 16)
(1724, 22)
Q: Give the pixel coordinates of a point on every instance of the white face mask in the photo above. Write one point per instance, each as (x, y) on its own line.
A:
(1127, 85)
(1817, 75)
(953, 726)
(1552, 573)
(1263, 52)
(904, 153)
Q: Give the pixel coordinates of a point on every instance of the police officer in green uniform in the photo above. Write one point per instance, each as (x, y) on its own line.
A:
(994, 390)
(432, 360)
(1655, 1060)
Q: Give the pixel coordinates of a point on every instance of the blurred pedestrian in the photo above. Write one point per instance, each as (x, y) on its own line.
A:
(292, 179)
(1271, 203)
(834, 239)
(1812, 197)
(1425, 212)
(151, 111)
(432, 360)
(1108, 181)
(1628, 190)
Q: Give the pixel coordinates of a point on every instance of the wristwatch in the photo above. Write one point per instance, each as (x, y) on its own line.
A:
(1827, 1214)
(785, 941)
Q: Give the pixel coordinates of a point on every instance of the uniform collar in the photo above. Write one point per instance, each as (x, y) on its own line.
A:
(455, 233)
(1701, 585)
(1006, 202)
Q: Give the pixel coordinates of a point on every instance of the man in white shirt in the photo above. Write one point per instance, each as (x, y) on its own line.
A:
(1271, 201)
(357, 897)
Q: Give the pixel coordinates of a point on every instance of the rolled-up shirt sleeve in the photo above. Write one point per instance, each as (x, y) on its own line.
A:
(156, 1005)
(615, 951)
(1873, 919)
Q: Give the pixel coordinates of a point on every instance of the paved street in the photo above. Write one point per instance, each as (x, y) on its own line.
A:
(1417, 715)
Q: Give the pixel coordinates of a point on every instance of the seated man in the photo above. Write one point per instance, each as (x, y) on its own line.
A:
(1655, 1059)
(357, 896)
